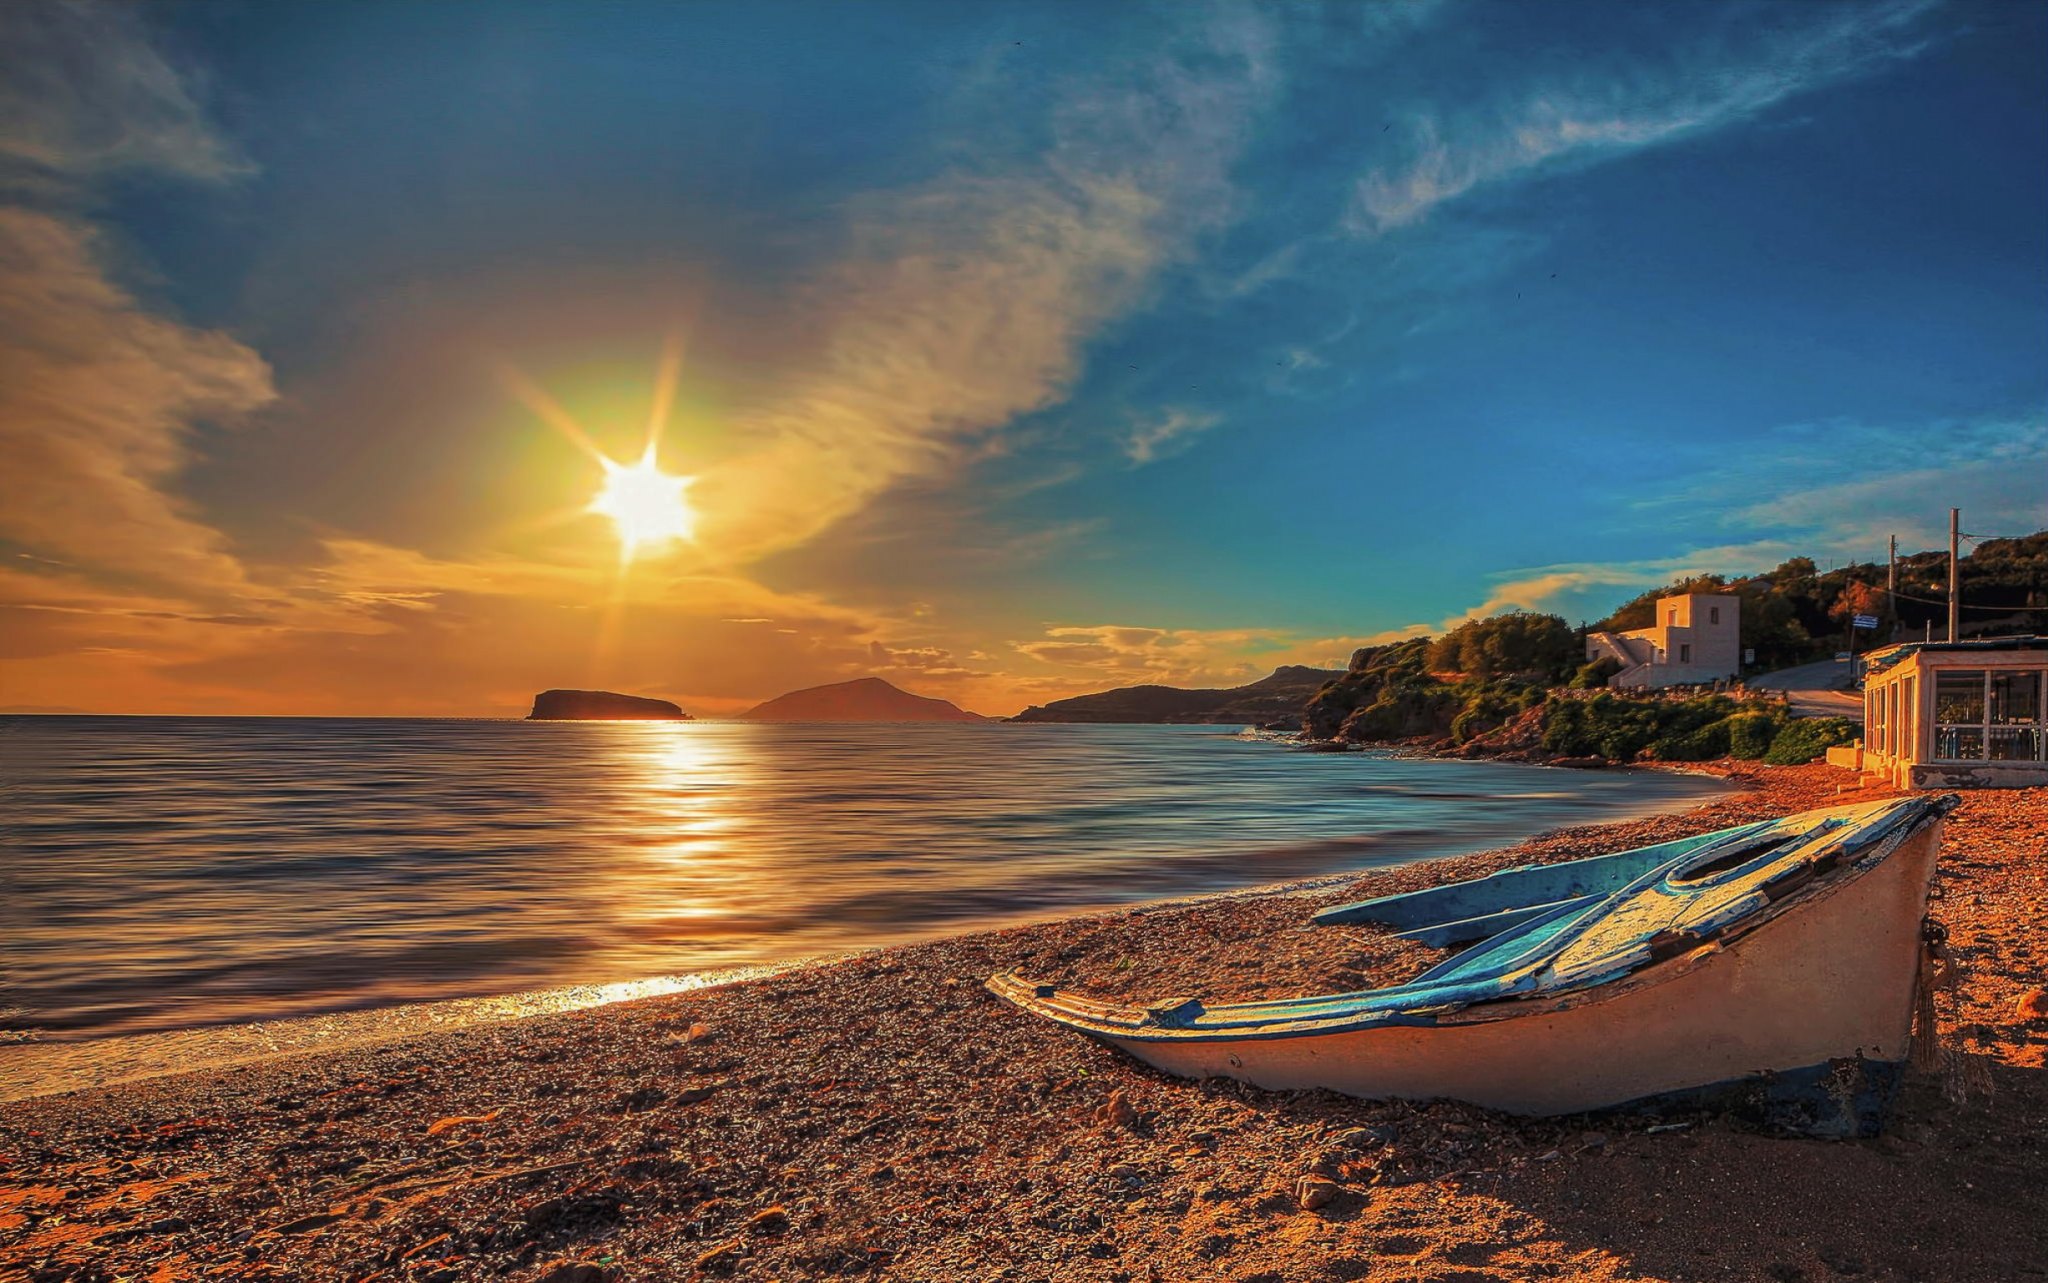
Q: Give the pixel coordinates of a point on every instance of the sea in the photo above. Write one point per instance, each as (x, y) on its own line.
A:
(170, 874)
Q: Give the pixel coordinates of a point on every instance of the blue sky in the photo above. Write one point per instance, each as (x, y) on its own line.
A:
(1020, 349)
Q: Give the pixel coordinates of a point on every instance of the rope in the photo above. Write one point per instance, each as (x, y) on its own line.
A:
(1962, 1075)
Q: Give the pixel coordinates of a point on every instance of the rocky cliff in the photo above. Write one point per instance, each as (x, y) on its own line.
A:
(602, 706)
(1275, 698)
(868, 699)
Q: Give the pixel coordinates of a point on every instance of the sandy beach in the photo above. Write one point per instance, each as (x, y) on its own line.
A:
(885, 1117)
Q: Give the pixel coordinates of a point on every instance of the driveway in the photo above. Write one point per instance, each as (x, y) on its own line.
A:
(1813, 690)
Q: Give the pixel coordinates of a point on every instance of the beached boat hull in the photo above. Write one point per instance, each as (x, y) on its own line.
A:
(1817, 1004)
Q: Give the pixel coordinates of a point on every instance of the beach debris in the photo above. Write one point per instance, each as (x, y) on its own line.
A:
(307, 1224)
(1363, 1138)
(457, 1120)
(2033, 1004)
(573, 1272)
(699, 1032)
(722, 1257)
(642, 1098)
(769, 1220)
(1118, 1112)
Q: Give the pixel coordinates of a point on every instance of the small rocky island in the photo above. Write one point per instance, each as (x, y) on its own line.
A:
(602, 706)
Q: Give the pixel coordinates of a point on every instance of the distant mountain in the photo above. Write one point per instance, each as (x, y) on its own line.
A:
(601, 706)
(1277, 698)
(867, 699)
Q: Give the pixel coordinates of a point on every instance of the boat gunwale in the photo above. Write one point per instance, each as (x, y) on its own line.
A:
(1142, 1024)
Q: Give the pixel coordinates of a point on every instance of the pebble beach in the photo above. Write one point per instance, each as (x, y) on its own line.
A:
(884, 1117)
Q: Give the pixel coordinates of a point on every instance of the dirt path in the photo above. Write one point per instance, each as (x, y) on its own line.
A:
(1813, 690)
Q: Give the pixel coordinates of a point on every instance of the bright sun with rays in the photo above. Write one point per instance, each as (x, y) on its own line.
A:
(647, 505)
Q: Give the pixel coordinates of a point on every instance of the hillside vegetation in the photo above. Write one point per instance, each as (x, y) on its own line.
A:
(1516, 684)
(1796, 613)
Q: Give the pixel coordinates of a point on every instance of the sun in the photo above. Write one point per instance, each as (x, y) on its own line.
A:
(647, 505)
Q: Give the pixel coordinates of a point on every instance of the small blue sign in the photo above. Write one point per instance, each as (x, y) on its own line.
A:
(1866, 621)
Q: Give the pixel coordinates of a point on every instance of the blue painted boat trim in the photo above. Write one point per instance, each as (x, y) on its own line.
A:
(1521, 961)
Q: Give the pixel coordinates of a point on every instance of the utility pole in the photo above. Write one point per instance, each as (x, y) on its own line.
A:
(1955, 542)
(1891, 584)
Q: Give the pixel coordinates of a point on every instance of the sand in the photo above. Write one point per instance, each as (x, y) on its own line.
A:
(885, 1118)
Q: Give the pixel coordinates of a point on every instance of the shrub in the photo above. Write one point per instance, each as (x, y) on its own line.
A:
(1492, 706)
(1807, 738)
(1620, 729)
(1594, 676)
(1701, 745)
(1750, 735)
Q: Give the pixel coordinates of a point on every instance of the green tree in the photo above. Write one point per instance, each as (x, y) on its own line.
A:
(1517, 644)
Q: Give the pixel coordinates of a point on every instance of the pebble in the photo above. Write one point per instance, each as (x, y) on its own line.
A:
(573, 1272)
(1314, 1192)
(1119, 1112)
(2033, 1004)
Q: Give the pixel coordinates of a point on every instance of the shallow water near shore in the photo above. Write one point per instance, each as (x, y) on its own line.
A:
(172, 873)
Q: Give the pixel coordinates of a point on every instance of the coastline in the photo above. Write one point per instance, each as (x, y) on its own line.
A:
(33, 1066)
(1248, 861)
(882, 1116)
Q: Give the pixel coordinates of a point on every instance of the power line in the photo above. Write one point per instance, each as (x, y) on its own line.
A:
(1930, 601)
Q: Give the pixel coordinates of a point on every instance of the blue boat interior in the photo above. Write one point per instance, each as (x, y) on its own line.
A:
(1466, 911)
(1554, 928)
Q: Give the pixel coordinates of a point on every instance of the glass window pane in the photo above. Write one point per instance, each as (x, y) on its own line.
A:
(1959, 743)
(2015, 744)
(1959, 696)
(2015, 697)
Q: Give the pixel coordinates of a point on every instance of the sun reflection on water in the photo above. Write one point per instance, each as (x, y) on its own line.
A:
(688, 870)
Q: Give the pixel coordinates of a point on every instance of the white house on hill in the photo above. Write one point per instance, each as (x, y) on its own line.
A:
(1697, 638)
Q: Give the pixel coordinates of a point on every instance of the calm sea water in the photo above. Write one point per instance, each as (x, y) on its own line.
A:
(164, 873)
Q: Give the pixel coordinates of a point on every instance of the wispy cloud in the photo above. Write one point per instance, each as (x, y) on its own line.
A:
(1450, 153)
(967, 301)
(1092, 656)
(1165, 433)
(84, 91)
(99, 396)
(1839, 488)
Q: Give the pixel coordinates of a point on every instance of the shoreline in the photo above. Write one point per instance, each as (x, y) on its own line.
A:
(32, 1067)
(881, 1116)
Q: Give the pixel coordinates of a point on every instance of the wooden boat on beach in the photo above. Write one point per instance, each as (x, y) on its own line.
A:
(1770, 967)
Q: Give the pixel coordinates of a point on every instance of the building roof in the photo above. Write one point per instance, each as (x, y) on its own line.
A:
(1886, 657)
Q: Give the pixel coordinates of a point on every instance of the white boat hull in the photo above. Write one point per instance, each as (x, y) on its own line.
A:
(1834, 980)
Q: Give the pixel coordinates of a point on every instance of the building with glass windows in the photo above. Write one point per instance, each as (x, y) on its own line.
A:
(1966, 714)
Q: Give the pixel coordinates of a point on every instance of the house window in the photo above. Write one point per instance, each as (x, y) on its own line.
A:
(1959, 715)
(2013, 718)
(1713, 614)
(1685, 652)
(1989, 715)
(1672, 617)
